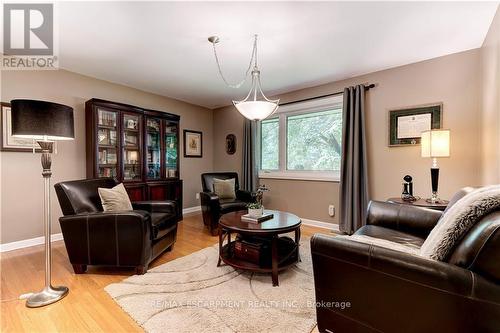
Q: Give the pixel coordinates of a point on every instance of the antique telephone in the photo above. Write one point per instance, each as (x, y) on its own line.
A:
(407, 194)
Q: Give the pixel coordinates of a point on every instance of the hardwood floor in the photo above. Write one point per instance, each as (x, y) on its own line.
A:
(87, 308)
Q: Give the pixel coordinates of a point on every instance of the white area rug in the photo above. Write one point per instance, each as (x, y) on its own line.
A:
(191, 294)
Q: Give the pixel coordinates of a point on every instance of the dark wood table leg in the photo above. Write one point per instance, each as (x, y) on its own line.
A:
(297, 242)
(220, 246)
(274, 252)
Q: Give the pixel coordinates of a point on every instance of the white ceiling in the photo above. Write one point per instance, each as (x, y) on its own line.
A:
(163, 47)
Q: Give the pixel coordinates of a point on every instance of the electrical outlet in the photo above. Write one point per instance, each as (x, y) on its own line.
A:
(331, 210)
(197, 196)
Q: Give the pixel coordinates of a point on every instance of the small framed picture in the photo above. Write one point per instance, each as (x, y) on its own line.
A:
(193, 143)
(7, 141)
(406, 125)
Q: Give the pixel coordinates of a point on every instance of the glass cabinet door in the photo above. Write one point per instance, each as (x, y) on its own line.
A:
(107, 144)
(132, 161)
(153, 148)
(171, 153)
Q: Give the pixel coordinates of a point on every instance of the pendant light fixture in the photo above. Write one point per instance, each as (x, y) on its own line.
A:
(255, 106)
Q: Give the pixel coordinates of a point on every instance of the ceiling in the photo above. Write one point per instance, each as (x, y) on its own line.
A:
(162, 47)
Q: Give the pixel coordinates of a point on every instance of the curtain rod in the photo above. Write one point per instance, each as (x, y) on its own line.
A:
(368, 87)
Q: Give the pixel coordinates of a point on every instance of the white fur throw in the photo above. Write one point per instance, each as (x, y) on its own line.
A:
(458, 220)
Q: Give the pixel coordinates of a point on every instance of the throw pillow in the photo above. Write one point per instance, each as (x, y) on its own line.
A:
(458, 220)
(225, 188)
(114, 199)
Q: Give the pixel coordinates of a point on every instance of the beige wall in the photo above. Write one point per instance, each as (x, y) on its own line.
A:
(452, 80)
(490, 104)
(21, 181)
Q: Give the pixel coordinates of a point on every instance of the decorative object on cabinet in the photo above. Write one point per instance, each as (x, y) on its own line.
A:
(193, 143)
(231, 144)
(136, 146)
(405, 125)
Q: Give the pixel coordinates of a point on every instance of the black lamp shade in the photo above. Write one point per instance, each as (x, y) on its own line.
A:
(42, 120)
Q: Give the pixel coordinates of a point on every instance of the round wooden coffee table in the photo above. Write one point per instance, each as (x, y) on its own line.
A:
(282, 256)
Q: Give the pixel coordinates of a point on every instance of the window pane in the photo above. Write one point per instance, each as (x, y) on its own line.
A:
(314, 141)
(269, 144)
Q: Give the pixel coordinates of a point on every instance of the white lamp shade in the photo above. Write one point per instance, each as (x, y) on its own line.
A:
(256, 110)
(435, 143)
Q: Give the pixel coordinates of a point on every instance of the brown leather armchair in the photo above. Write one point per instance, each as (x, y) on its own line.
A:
(127, 238)
(390, 291)
(212, 207)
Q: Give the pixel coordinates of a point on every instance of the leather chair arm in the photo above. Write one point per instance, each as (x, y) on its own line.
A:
(417, 221)
(245, 196)
(108, 238)
(426, 295)
(156, 206)
(209, 199)
(210, 209)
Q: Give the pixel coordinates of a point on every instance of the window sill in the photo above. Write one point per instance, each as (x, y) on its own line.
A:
(310, 176)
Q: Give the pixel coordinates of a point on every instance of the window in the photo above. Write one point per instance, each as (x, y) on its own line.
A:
(303, 141)
(270, 144)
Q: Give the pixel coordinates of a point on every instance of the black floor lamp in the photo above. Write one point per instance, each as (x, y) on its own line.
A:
(44, 122)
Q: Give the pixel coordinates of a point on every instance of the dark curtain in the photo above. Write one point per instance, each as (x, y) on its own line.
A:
(250, 166)
(353, 170)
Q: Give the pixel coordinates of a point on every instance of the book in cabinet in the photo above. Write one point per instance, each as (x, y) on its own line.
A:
(136, 146)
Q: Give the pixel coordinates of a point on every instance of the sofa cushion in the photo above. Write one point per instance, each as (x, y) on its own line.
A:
(390, 235)
(162, 223)
(115, 199)
(225, 188)
(230, 205)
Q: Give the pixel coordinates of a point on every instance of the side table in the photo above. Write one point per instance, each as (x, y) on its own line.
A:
(421, 203)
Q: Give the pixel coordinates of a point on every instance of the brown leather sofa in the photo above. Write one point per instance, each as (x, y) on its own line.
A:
(127, 238)
(212, 207)
(390, 291)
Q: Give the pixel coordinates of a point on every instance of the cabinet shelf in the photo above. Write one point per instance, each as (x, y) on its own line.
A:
(107, 127)
(106, 146)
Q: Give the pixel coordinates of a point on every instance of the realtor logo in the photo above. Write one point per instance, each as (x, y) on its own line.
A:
(28, 29)
(28, 37)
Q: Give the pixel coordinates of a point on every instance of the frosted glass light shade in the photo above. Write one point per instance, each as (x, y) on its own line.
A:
(256, 110)
(435, 143)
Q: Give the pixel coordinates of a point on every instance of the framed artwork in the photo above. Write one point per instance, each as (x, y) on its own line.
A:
(406, 125)
(193, 143)
(8, 142)
(230, 144)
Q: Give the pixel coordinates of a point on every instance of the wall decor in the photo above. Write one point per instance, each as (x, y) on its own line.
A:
(7, 141)
(231, 144)
(406, 125)
(193, 143)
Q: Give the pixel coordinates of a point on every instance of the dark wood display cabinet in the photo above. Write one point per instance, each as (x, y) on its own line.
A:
(137, 146)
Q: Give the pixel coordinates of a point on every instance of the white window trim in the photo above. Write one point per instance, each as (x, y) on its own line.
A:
(315, 105)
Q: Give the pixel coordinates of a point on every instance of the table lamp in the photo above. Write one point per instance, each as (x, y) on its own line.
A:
(435, 143)
(44, 122)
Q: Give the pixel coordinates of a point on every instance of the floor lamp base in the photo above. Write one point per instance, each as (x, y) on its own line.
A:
(47, 296)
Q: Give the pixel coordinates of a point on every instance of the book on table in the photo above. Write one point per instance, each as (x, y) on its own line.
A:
(256, 219)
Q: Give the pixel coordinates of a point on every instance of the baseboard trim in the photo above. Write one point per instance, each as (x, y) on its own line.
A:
(190, 210)
(28, 243)
(319, 224)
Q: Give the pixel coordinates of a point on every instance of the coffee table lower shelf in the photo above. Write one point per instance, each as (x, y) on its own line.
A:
(286, 257)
